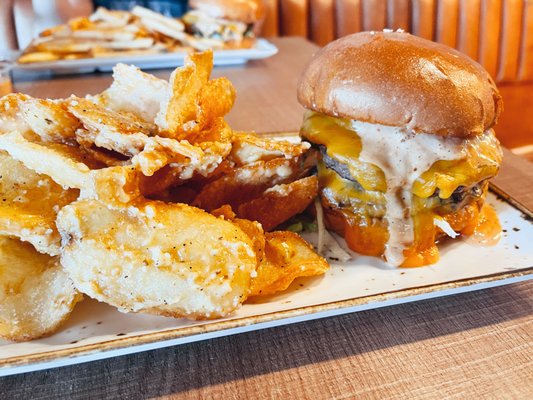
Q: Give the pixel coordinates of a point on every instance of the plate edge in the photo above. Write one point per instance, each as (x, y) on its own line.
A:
(177, 333)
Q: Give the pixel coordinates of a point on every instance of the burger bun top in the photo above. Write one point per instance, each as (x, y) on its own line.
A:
(397, 79)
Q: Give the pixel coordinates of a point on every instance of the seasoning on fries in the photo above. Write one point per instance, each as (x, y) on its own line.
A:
(148, 202)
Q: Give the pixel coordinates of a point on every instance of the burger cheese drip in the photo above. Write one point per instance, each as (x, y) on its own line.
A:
(404, 130)
(391, 192)
(402, 157)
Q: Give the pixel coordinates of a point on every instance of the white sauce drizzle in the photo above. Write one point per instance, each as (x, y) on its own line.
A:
(327, 246)
(403, 157)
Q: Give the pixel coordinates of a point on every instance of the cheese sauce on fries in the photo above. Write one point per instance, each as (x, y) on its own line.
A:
(149, 202)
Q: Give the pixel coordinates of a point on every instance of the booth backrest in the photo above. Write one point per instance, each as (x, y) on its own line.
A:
(497, 33)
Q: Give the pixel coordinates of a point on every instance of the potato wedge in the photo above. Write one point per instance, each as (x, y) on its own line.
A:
(130, 137)
(111, 18)
(287, 257)
(249, 147)
(38, 56)
(282, 256)
(134, 91)
(253, 229)
(180, 109)
(279, 203)
(133, 257)
(72, 167)
(50, 119)
(99, 120)
(36, 295)
(67, 165)
(215, 100)
(248, 182)
(29, 205)
(10, 114)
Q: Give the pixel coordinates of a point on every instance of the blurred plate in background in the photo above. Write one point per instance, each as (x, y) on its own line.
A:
(262, 49)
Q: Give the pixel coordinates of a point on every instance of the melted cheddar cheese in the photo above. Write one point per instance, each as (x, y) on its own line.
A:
(358, 214)
(483, 158)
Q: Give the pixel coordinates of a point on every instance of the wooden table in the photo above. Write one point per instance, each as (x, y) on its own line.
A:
(475, 345)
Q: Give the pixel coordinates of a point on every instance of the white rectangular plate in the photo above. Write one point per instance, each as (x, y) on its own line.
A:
(262, 49)
(96, 331)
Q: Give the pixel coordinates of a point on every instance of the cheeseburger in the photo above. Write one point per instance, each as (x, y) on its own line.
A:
(234, 22)
(404, 130)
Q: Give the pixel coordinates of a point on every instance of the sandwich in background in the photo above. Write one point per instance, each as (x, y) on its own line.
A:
(234, 22)
(108, 33)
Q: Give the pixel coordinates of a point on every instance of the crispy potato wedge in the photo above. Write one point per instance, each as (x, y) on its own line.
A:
(103, 34)
(123, 134)
(174, 25)
(72, 167)
(101, 121)
(180, 109)
(215, 100)
(287, 257)
(67, 165)
(253, 229)
(10, 114)
(248, 147)
(159, 152)
(248, 182)
(29, 205)
(69, 45)
(38, 230)
(283, 256)
(185, 159)
(111, 18)
(134, 91)
(279, 203)
(38, 56)
(62, 46)
(165, 33)
(50, 119)
(134, 258)
(36, 295)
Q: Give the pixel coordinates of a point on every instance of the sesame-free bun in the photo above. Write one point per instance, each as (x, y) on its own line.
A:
(397, 79)
(247, 11)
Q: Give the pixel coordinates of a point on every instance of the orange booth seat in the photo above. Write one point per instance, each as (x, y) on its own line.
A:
(496, 33)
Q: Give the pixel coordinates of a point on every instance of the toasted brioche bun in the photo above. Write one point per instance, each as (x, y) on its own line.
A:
(247, 11)
(397, 79)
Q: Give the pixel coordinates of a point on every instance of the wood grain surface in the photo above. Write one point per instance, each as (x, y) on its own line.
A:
(516, 177)
(474, 345)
